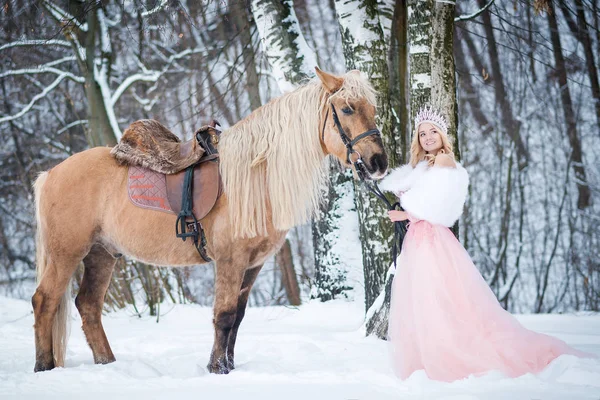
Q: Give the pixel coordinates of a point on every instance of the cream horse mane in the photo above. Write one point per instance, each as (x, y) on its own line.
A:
(273, 160)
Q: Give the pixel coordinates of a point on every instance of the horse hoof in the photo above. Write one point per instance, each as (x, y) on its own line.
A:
(219, 369)
(104, 360)
(39, 366)
(230, 365)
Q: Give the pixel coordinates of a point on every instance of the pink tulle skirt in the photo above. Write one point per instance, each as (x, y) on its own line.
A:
(445, 319)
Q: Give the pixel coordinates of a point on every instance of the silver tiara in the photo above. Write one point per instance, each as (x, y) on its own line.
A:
(428, 114)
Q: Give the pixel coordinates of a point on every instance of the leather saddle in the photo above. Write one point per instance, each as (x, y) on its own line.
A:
(150, 144)
(193, 184)
(206, 187)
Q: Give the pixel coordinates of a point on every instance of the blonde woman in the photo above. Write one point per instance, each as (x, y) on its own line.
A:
(444, 318)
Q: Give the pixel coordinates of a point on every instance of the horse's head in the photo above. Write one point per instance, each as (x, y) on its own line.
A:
(349, 131)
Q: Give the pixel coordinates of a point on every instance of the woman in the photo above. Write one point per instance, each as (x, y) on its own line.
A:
(444, 318)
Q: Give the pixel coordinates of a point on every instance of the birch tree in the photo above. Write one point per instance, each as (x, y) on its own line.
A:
(431, 78)
(292, 63)
(365, 50)
(286, 49)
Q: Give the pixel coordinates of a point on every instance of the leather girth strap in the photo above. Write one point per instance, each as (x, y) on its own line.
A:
(197, 190)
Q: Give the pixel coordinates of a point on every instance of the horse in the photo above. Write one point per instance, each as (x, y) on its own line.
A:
(273, 166)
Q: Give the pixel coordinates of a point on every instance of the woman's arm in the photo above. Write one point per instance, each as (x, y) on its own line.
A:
(438, 196)
(398, 180)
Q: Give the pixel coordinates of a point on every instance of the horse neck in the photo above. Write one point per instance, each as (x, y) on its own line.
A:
(272, 163)
(286, 119)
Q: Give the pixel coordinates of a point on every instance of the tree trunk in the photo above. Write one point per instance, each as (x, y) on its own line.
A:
(330, 272)
(365, 49)
(99, 132)
(432, 81)
(398, 85)
(583, 189)
(283, 42)
(511, 124)
(471, 96)
(443, 74)
(288, 274)
(580, 30)
(241, 19)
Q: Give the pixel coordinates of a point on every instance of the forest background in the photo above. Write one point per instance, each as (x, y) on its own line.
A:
(518, 79)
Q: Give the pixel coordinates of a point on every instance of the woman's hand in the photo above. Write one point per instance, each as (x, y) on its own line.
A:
(396, 215)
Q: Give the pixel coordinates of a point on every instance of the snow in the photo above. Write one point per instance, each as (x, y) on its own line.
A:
(421, 80)
(309, 58)
(353, 17)
(271, 43)
(419, 48)
(102, 79)
(315, 351)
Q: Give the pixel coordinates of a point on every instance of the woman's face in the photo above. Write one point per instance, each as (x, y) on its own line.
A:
(430, 137)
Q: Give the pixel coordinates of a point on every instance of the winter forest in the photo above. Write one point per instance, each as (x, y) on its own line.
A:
(519, 80)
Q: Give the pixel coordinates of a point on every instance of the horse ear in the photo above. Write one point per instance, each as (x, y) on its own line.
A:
(331, 83)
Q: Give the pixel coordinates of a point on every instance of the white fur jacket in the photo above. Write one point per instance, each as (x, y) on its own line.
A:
(434, 194)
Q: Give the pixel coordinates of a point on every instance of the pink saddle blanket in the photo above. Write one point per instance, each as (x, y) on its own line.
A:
(148, 189)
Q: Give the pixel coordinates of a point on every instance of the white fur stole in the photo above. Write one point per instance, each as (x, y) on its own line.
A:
(434, 194)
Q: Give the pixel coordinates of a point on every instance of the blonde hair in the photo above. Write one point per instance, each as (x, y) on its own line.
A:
(273, 159)
(418, 154)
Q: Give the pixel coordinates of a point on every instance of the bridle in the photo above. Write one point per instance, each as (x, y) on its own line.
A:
(358, 164)
(361, 171)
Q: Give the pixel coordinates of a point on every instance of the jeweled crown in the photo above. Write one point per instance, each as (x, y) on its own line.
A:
(428, 114)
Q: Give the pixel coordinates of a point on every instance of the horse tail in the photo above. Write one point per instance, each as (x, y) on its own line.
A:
(60, 326)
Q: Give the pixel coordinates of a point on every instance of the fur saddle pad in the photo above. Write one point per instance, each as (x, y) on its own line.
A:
(155, 191)
(148, 143)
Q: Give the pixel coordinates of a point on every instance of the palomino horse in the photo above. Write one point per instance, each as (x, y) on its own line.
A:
(272, 167)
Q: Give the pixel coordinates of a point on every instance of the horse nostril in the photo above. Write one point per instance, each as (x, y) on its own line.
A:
(379, 163)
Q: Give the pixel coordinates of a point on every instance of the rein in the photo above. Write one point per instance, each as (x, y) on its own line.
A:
(361, 171)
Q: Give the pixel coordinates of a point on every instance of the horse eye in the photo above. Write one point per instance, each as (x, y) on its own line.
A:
(347, 110)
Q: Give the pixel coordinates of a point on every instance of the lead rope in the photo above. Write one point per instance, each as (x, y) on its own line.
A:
(399, 226)
(359, 167)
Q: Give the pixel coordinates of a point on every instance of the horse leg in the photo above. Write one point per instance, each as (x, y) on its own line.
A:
(249, 278)
(228, 282)
(51, 323)
(99, 265)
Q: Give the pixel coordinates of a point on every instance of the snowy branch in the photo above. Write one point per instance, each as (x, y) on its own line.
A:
(101, 77)
(104, 36)
(38, 42)
(46, 68)
(62, 16)
(147, 104)
(150, 75)
(37, 97)
(475, 14)
(155, 9)
(72, 124)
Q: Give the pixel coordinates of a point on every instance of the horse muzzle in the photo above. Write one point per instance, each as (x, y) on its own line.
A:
(376, 165)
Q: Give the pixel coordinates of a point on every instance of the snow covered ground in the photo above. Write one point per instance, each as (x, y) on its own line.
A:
(316, 351)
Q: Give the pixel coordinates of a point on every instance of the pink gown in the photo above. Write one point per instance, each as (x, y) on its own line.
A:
(445, 319)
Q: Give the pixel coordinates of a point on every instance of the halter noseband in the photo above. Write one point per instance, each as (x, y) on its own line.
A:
(358, 164)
